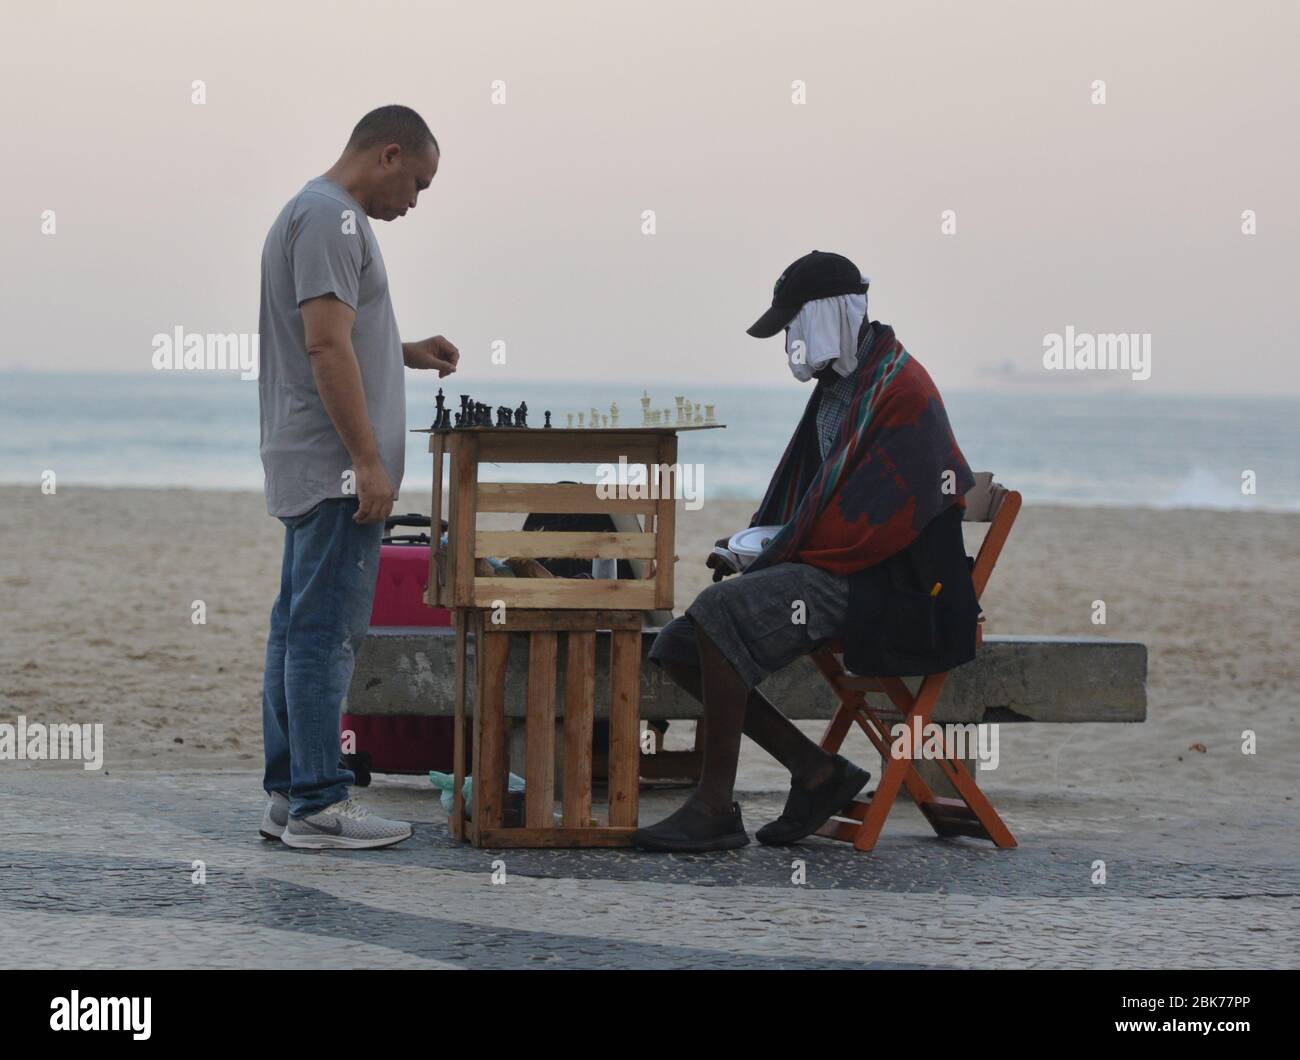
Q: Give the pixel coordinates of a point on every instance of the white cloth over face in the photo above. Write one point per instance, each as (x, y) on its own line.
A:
(825, 332)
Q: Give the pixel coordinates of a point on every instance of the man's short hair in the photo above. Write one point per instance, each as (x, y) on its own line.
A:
(393, 124)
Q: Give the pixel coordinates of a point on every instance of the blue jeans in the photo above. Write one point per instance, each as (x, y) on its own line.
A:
(327, 586)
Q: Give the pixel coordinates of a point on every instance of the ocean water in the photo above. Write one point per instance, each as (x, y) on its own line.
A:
(1131, 449)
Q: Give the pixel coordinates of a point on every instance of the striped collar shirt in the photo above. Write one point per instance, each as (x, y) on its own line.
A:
(836, 399)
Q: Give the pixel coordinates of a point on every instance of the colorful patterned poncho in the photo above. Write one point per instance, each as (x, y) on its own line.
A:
(894, 467)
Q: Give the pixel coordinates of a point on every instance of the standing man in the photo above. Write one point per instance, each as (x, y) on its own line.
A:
(333, 418)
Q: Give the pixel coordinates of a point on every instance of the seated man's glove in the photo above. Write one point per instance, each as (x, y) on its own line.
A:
(720, 565)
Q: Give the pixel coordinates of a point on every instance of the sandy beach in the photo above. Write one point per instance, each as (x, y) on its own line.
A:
(100, 584)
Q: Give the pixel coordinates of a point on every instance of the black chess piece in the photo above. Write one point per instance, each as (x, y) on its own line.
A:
(438, 402)
(521, 414)
(458, 419)
(547, 414)
(464, 408)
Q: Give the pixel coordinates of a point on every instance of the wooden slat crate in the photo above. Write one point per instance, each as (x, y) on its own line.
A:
(559, 616)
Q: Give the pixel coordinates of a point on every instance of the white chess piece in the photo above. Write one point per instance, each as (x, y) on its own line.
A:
(613, 414)
(708, 414)
(680, 402)
(579, 419)
(645, 408)
(570, 416)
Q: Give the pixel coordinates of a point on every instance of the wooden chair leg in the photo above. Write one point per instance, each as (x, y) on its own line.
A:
(978, 803)
(838, 727)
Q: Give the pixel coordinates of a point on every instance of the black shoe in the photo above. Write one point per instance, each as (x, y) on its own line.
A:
(693, 830)
(807, 809)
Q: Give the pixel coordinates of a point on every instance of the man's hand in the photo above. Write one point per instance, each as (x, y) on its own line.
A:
(374, 492)
(720, 566)
(436, 352)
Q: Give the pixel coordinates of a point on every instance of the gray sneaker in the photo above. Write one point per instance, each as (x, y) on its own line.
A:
(347, 825)
(276, 816)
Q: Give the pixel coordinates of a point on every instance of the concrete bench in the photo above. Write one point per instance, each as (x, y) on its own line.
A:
(1013, 679)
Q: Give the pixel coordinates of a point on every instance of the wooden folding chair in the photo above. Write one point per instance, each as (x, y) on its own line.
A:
(972, 814)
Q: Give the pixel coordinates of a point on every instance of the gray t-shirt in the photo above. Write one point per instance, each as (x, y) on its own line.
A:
(322, 244)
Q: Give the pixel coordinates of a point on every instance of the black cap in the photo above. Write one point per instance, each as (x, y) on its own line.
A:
(816, 275)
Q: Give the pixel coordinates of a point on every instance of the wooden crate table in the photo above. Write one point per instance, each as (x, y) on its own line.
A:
(559, 616)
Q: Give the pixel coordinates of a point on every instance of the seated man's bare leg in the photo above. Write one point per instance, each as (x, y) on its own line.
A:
(709, 819)
(766, 726)
(724, 698)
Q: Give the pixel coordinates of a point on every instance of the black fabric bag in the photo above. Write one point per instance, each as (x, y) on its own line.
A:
(593, 523)
(597, 523)
(896, 627)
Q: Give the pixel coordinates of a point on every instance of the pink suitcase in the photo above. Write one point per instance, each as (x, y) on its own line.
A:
(401, 743)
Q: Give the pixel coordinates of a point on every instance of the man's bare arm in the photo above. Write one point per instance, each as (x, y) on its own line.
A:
(327, 323)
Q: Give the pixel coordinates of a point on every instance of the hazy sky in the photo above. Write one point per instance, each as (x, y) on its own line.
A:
(1122, 217)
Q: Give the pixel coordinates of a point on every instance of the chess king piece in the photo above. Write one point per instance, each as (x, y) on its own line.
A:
(547, 415)
(613, 414)
(708, 414)
(521, 414)
(645, 408)
(438, 403)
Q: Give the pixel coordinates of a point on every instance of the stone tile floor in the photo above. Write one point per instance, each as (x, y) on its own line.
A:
(96, 870)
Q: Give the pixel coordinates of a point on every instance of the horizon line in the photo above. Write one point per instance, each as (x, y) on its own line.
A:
(1022, 385)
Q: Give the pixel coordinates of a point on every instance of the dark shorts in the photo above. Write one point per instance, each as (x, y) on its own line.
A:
(760, 622)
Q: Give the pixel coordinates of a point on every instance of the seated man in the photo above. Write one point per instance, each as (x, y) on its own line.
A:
(869, 500)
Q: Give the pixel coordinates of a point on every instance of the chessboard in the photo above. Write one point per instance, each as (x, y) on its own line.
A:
(572, 430)
(475, 416)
